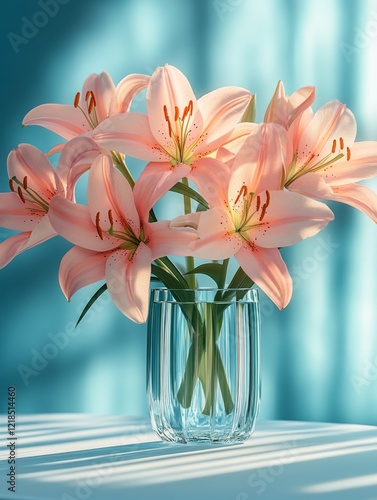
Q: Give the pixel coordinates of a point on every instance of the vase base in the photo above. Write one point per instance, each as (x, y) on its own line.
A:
(203, 438)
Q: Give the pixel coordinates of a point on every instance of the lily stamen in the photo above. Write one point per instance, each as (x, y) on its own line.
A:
(77, 100)
(25, 182)
(341, 143)
(110, 213)
(258, 203)
(243, 192)
(20, 194)
(348, 154)
(333, 146)
(98, 227)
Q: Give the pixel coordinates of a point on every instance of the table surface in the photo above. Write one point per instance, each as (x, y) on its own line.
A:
(80, 457)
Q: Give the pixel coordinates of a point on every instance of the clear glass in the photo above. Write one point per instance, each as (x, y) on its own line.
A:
(203, 364)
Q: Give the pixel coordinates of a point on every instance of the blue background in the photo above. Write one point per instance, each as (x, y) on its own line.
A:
(320, 354)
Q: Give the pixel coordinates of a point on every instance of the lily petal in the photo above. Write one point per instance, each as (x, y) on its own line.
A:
(128, 280)
(260, 163)
(166, 238)
(126, 91)
(103, 89)
(155, 180)
(42, 231)
(284, 110)
(11, 247)
(211, 176)
(362, 165)
(28, 161)
(14, 214)
(360, 197)
(267, 268)
(65, 120)
(289, 218)
(73, 222)
(221, 110)
(109, 190)
(217, 239)
(237, 138)
(76, 158)
(80, 267)
(130, 134)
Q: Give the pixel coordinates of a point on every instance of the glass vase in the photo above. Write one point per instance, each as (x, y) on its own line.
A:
(203, 364)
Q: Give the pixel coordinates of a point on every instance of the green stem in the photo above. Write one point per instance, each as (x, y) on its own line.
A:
(190, 262)
(122, 167)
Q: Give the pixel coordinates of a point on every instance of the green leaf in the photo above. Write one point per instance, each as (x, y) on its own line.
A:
(251, 110)
(180, 188)
(98, 293)
(213, 270)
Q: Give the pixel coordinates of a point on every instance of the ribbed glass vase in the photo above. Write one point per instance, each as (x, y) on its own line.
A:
(203, 368)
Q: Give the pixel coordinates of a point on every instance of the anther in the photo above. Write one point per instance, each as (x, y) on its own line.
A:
(88, 94)
(11, 185)
(258, 202)
(176, 116)
(77, 99)
(19, 190)
(25, 182)
(190, 106)
(341, 142)
(243, 192)
(91, 105)
(268, 198)
(348, 154)
(333, 146)
(166, 113)
(99, 230)
(111, 217)
(263, 213)
(93, 97)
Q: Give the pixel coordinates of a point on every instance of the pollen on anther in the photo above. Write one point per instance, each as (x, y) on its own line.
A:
(268, 198)
(348, 154)
(98, 227)
(263, 213)
(166, 113)
(341, 142)
(88, 94)
(11, 185)
(333, 146)
(25, 182)
(258, 202)
(77, 99)
(111, 217)
(91, 105)
(19, 190)
(93, 97)
(176, 116)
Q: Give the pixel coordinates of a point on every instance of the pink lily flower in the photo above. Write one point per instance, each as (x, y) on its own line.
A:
(178, 129)
(114, 239)
(98, 100)
(327, 162)
(33, 183)
(251, 216)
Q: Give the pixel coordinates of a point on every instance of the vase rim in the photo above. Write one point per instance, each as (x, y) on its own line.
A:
(204, 294)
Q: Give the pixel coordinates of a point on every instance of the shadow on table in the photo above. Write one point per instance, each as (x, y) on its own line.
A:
(317, 461)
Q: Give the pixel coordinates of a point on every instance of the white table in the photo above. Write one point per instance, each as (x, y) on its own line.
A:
(80, 457)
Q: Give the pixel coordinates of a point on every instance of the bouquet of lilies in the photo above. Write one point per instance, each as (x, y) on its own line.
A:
(247, 188)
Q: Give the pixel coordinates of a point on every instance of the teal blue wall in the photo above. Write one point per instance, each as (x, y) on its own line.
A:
(320, 354)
